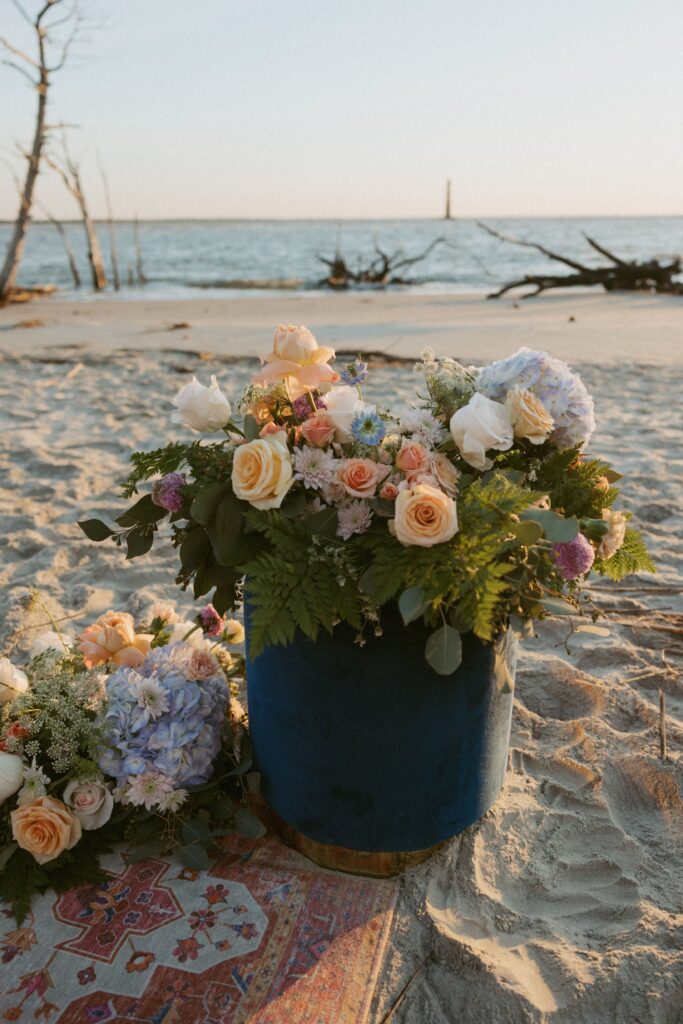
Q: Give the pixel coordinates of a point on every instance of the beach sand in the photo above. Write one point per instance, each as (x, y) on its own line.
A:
(565, 904)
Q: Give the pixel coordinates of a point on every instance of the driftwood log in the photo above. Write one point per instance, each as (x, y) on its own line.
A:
(383, 268)
(618, 275)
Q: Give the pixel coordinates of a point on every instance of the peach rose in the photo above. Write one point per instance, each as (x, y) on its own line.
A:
(361, 477)
(528, 415)
(262, 472)
(272, 430)
(445, 472)
(389, 491)
(412, 457)
(614, 538)
(45, 828)
(298, 360)
(424, 516)
(318, 429)
(113, 638)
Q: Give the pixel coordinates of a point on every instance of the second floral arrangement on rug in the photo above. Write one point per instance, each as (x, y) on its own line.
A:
(476, 509)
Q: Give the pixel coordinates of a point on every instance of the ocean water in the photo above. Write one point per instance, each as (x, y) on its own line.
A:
(184, 259)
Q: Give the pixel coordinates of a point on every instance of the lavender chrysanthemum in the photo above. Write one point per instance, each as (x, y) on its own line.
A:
(574, 558)
(355, 374)
(166, 492)
(353, 518)
(315, 467)
(368, 428)
(562, 392)
(302, 408)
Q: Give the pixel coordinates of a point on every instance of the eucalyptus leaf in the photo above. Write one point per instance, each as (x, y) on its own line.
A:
(556, 606)
(443, 650)
(323, 523)
(95, 529)
(194, 857)
(294, 504)
(382, 507)
(196, 830)
(194, 549)
(412, 604)
(226, 530)
(555, 528)
(251, 429)
(248, 825)
(527, 532)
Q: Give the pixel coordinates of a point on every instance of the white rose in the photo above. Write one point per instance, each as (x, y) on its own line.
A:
(528, 415)
(12, 681)
(200, 408)
(262, 472)
(196, 639)
(91, 802)
(50, 641)
(164, 611)
(11, 774)
(614, 538)
(343, 405)
(480, 425)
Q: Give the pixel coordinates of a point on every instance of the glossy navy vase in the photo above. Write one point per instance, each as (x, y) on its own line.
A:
(367, 748)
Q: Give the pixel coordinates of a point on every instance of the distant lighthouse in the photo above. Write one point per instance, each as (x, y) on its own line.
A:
(447, 215)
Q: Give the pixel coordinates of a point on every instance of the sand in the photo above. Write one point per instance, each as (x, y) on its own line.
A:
(565, 904)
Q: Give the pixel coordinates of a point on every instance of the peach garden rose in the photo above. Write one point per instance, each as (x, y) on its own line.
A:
(361, 477)
(425, 516)
(45, 828)
(113, 638)
(298, 360)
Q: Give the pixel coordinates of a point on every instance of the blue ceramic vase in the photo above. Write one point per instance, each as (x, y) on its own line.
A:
(367, 748)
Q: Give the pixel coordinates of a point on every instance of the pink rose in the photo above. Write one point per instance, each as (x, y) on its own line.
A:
(91, 802)
(389, 491)
(413, 457)
(318, 429)
(361, 477)
(270, 429)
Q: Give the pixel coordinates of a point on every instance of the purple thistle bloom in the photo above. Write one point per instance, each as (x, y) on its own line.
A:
(355, 374)
(166, 492)
(301, 407)
(210, 621)
(574, 558)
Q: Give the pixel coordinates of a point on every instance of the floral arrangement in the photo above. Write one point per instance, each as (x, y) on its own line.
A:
(122, 734)
(476, 509)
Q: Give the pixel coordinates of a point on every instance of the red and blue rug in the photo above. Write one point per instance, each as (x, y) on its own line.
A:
(262, 937)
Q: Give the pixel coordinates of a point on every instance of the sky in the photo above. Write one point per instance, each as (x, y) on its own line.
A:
(313, 108)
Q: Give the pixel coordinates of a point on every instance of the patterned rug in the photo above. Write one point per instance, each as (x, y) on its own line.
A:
(263, 937)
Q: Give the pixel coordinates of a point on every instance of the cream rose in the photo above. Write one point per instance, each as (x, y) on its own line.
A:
(11, 775)
(200, 408)
(12, 681)
(297, 359)
(614, 538)
(45, 828)
(113, 638)
(342, 406)
(91, 802)
(424, 516)
(262, 472)
(480, 425)
(361, 477)
(528, 415)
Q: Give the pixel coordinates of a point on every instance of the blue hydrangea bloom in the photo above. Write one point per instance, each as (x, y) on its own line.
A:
(181, 742)
(368, 427)
(562, 392)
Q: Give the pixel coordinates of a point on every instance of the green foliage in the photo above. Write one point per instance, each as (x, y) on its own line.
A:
(297, 582)
(572, 483)
(154, 463)
(631, 557)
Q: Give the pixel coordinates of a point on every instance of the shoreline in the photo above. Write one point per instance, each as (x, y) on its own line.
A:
(594, 328)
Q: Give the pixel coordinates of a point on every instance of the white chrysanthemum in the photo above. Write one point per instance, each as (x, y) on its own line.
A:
(315, 467)
(172, 802)
(150, 696)
(424, 427)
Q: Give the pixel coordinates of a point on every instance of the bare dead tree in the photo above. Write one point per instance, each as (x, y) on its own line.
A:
(61, 231)
(70, 173)
(141, 279)
(383, 268)
(38, 71)
(110, 224)
(619, 275)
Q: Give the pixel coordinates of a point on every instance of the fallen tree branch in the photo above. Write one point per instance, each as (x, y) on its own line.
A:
(380, 271)
(619, 275)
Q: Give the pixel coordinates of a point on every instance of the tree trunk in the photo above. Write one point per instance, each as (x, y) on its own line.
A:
(73, 266)
(113, 248)
(15, 250)
(99, 277)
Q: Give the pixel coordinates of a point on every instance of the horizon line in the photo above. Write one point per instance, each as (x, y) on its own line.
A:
(352, 220)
